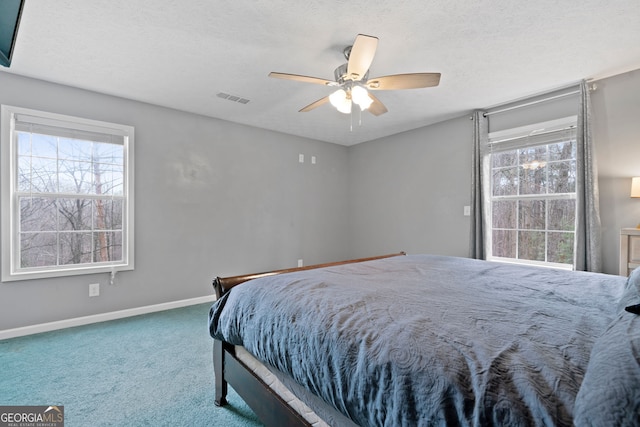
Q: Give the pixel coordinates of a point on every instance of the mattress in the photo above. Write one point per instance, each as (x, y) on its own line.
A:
(317, 412)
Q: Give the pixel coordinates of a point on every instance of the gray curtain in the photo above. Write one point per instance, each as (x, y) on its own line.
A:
(480, 139)
(587, 251)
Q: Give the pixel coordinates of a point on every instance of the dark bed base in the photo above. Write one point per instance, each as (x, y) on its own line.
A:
(270, 408)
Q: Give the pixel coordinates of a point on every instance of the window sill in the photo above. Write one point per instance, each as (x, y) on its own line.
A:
(65, 272)
(541, 264)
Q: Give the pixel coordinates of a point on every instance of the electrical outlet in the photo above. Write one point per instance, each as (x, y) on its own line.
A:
(300, 263)
(94, 289)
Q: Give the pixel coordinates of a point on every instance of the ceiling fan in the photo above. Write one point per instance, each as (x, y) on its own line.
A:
(353, 82)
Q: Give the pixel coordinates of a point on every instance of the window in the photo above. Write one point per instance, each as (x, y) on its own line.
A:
(67, 195)
(532, 187)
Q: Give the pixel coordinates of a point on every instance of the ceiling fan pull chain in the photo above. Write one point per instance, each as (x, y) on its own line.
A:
(351, 122)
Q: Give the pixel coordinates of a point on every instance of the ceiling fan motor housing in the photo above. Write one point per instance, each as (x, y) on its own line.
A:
(341, 76)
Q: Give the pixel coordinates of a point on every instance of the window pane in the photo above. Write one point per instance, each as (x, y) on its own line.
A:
(562, 177)
(504, 214)
(44, 146)
(533, 181)
(75, 149)
(562, 215)
(75, 248)
(560, 248)
(117, 180)
(108, 246)
(505, 158)
(24, 173)
(562, 151)
(75, 177)
(44, 175)
(74, 214)
(107, 214)
(533, 154)
(37, 214)
(504, 243)
(505, 182)
(108, 179)
(531, 215)
(24, 144)
(37, 249)
(531, 245)
(108, 153)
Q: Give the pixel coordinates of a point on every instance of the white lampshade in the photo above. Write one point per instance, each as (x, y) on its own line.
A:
(361, 97)
(341, 101)
(635, 186)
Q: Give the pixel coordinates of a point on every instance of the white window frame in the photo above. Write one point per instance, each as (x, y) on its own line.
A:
(11, 271)
(510, 139)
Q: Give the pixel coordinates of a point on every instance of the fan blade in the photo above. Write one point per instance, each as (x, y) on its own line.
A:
(305, 79)
(404, 81)
(361, 56)
(313, 105)
(376, 108)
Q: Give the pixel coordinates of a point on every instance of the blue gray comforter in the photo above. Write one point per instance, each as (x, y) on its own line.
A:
(424, 340)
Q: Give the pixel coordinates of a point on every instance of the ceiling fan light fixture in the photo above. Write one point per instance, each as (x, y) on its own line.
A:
(341, 100)
(361, 97)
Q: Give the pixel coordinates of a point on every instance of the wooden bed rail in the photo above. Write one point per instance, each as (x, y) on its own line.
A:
(222, 285)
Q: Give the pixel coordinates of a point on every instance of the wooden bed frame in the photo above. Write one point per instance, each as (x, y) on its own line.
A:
(270, 408)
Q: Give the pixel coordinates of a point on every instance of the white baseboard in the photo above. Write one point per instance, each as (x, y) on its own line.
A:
(102, 317)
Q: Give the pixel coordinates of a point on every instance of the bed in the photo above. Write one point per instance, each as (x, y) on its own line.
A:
(427, 340)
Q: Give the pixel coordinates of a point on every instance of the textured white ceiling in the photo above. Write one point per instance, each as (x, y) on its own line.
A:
(181, 54)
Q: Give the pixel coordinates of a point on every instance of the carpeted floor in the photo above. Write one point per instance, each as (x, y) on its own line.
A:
(150, 370)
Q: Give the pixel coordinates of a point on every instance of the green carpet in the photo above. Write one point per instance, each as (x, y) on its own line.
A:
(153, 370)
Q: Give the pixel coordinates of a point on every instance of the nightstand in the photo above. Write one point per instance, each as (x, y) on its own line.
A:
(629, 250)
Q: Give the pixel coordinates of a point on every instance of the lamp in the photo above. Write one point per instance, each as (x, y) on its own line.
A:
(635, 189)
(635, 186)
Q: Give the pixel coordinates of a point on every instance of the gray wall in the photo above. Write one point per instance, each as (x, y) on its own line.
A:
(211, 198)
(616, 132)
(407, 191)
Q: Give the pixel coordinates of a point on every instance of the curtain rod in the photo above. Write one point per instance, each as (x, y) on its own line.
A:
(526, 104)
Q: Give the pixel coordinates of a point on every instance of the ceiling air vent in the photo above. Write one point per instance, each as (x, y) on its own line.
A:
(233, 98)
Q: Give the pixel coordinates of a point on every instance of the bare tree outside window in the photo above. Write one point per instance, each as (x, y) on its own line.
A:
(70, 196)
(533, 202)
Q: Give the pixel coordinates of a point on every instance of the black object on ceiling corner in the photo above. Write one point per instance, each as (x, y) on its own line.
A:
(10, 13)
